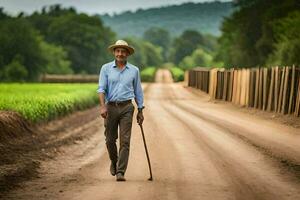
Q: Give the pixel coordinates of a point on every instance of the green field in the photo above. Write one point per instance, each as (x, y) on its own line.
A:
(41, 102)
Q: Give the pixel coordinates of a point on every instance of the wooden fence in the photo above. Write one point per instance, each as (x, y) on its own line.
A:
(275, 89)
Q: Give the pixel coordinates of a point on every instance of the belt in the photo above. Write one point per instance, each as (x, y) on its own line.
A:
(119, 103)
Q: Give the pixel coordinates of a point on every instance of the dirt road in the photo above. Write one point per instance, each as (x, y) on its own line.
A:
(199, 149)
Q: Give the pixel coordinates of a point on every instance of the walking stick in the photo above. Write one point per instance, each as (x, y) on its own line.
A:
(145, 145)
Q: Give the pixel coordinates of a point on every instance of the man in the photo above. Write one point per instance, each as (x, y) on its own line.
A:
(119, 83)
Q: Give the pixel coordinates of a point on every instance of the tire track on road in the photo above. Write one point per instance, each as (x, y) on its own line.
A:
(286, 155)
(283, 158)
(244, 179)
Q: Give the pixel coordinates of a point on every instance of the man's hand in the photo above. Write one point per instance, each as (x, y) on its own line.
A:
(140, 117)
(103, 111)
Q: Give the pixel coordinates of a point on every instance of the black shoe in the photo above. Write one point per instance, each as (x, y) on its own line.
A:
(120, 177)
(113, 168)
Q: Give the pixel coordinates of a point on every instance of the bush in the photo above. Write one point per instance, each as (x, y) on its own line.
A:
(198, 58)
(148, 74)
(177, 74)
(14, 71)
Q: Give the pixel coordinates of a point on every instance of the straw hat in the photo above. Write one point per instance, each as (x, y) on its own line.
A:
(121, 44)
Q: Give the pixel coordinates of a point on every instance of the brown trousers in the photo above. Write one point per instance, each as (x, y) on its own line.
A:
(119, 116)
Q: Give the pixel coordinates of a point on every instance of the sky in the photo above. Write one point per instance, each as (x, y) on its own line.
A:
(91, 7)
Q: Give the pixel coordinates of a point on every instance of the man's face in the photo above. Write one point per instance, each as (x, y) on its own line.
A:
(121, 54)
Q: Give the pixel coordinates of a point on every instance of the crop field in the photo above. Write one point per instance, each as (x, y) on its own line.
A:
(41, 102)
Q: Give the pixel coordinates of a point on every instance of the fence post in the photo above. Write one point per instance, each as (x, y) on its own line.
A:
(285, 90)
(271, 91)
(297, 107)
(277, 84)
(291, 99)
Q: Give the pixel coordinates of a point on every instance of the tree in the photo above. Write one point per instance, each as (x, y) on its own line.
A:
(146, 54)
(199, 58)
(138, 58)
(55, 40)
(56, 58)
(248, 35)
(159, 37)
(14, 71)
(185, 45)
(85, 39)
(153, 54)
(18, 37)
(3, 15)
(287, 46)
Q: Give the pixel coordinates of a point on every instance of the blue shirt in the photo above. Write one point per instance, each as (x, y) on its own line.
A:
(121, 85)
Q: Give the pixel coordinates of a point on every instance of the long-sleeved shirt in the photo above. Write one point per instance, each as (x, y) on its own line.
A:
(121, 85)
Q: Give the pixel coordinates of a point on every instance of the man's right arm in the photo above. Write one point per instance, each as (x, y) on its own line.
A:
(101, 91)
(102, 99)
(103, 108)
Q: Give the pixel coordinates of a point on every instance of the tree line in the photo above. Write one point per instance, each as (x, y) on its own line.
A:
(157, 48)
(261, 33)
(258, 33)
(60, 40)
(54, 40)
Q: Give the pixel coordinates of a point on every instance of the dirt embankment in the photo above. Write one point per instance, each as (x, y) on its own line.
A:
(17, 144)
(23, 145)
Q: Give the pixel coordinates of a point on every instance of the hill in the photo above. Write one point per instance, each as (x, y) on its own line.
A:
(203, 17)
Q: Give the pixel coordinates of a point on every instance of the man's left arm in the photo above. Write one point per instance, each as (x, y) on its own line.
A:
(139, 98)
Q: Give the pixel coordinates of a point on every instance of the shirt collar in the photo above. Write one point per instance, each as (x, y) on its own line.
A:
(114, 64)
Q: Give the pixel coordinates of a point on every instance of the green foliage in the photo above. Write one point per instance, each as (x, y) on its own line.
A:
(148, 74)
(168, 65)
(18, 37)
(14, 71)
(56, 58)
(198, 58)
(3, 15)
(287, 46)
(55, 40)
(177, 74)
(185, 45)
(153, 54)
(85, 39)
(42, 20)
(41, 102)
(210, 43)
(146, 54)
(159, 37)
(203, 17)
(228, 50)
(250, 35)
(138, 58)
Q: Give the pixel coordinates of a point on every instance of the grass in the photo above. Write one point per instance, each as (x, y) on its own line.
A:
(41, 102)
